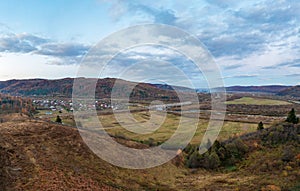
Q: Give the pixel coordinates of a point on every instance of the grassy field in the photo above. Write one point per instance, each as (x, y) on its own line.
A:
(163, 126)
(169, 126)
(257, 101)
(67, 117)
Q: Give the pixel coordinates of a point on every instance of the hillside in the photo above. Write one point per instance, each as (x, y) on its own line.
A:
(37, 87)
(257, 89)
(142, 91)
(291, 91)
(37, 155)
(63, 87)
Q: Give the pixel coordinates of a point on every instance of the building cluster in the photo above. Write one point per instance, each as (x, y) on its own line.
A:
(67, 104)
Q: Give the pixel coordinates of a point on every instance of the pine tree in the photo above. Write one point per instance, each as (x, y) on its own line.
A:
(260, 126)
(214, 161)
(292, 118)
(194, 160)
(58, 119)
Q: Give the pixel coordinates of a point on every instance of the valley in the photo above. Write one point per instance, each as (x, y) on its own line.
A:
(40, 153)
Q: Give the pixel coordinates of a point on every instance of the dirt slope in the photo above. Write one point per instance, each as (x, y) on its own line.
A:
(36, 155)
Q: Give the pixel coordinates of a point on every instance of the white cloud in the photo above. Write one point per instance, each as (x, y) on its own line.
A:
(246, 37)
(19, 66)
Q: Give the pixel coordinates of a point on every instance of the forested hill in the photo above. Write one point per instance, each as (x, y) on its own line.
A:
(63, 87)
(12, 104)
(292, 91)
(37, 87)
(257, 89)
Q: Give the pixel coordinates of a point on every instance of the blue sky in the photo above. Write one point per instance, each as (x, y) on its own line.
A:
(253, 42)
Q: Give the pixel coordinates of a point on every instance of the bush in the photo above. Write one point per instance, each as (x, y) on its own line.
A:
(189, 149)
(280, 134)
(237, 149)
(194, 160)
(213, 161)
(241, 146)
(260, 126)
(288, 153)
(151, 142)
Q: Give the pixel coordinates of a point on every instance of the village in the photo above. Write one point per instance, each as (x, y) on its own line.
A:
(60, 105)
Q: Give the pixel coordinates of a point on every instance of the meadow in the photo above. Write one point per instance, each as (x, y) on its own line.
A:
(257, 101)
(166, 129)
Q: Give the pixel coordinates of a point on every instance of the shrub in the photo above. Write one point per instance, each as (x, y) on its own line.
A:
(241, 146)
(260, 126)
(189, 149)
(288, 153)
(214, 161)
(237, 148)
(151, 142)
(281, 134)
(194, 160)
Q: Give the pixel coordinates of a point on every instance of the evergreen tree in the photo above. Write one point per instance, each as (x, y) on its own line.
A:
(292, 118)
(214, 161)
(58, 119)
(194, 160)
(260, 126)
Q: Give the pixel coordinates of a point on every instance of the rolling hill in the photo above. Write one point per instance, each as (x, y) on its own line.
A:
(291, 91)
(37, 155)
(257, 89)
(63, 87)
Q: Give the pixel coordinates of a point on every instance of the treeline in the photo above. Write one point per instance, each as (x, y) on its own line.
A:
(228, 153)
(13, 104)
(219, 154)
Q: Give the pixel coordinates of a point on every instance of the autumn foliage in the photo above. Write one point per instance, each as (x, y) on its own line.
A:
(14, 104)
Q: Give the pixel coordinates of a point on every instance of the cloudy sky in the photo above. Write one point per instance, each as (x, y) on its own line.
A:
(253, 42)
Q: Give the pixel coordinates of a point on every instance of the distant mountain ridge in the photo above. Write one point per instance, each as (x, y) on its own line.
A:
(172, 87)
(291, 91)
(279, 90)
(258, 89)
(31, 87)
(63, 87)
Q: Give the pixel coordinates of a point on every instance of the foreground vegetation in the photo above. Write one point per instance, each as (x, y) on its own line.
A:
(36, 155)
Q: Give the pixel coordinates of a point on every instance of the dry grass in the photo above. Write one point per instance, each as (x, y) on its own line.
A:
(45, 156)
(257, 101)
(169, 126)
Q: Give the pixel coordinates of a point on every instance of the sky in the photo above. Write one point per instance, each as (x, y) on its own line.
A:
(252, 42)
